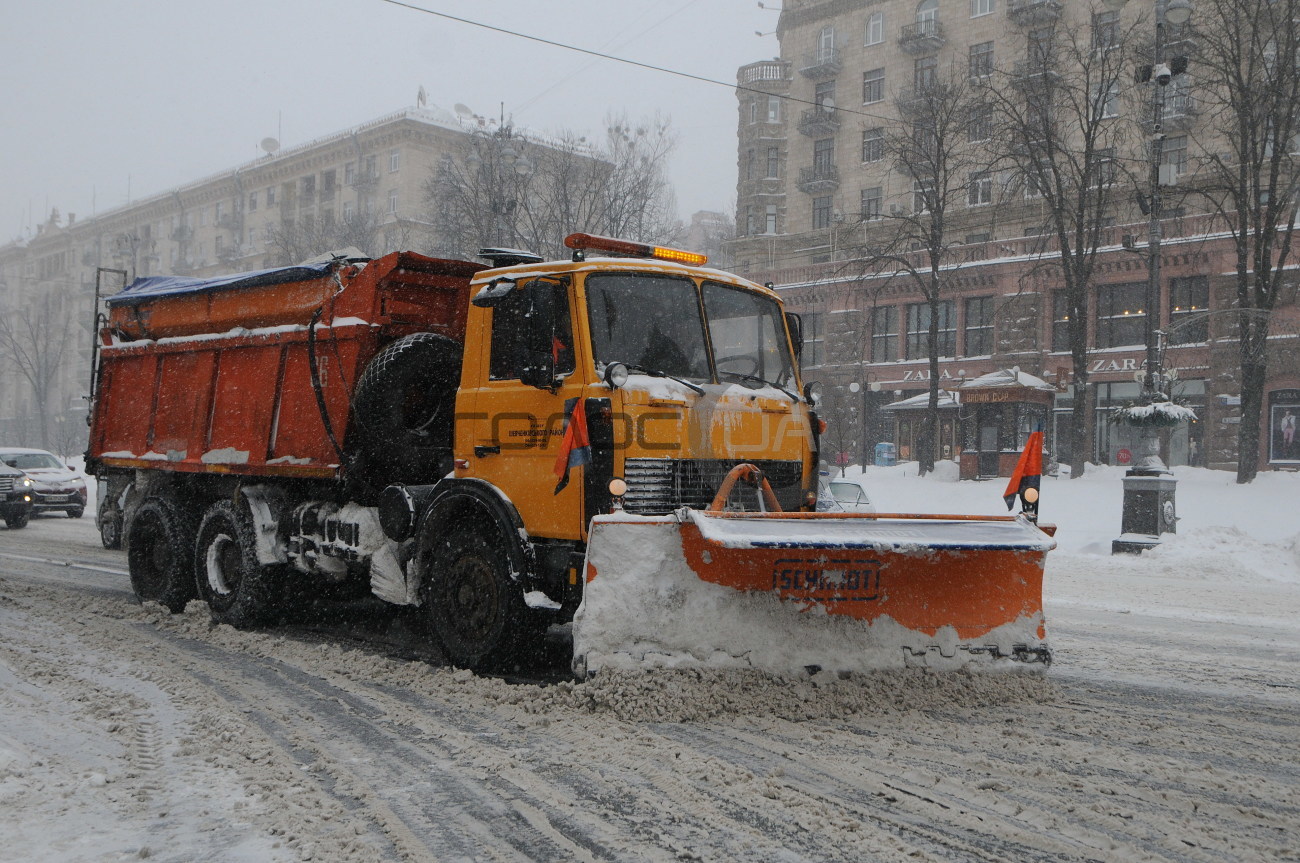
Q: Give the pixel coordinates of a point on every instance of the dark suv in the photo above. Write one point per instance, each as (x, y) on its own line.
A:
(15, 497)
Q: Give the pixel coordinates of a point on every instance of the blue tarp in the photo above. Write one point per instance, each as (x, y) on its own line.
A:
(153, 287)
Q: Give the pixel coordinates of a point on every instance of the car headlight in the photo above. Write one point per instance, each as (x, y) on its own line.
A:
(27, 482)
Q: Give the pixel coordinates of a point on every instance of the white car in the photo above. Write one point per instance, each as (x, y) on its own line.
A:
(844, 495)
(55, 486)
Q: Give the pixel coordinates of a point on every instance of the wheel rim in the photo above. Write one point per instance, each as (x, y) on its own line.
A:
(221, 568)
(472, 599)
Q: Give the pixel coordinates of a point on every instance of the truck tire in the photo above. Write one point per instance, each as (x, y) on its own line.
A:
(402, 411)
(476, 609)
(160, 553)
(238, 589)
(18, 520)
(110, 527)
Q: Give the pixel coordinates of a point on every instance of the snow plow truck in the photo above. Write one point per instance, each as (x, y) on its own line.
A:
(620, 443)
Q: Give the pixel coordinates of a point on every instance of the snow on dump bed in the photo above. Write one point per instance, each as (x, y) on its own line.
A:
(646, 608)
(894, 534)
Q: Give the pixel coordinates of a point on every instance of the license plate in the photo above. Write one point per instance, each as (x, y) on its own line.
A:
(827, 580)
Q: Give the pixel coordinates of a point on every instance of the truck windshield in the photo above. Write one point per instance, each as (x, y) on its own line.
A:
(748, 335)
(653, 323)
(648, 321)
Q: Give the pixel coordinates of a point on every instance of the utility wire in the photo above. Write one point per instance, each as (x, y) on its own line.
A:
(616, 59)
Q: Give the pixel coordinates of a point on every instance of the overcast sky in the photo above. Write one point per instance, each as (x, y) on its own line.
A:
(145, 95)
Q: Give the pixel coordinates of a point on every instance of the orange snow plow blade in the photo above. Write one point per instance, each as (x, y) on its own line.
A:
(787, 592)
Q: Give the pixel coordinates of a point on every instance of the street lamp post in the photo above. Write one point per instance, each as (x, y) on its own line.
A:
(1149, 487)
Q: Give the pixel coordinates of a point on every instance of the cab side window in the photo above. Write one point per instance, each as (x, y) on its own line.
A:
(514, 326)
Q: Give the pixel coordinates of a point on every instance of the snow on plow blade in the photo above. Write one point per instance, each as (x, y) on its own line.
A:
(789, 592)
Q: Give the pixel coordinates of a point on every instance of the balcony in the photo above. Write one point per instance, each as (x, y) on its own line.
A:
(822, 64)
(1033, 13)
(1180, 114)
(921, 37)
(819, 179)
(229, 222)
(819, 122)
(764, 72)
(182, 233)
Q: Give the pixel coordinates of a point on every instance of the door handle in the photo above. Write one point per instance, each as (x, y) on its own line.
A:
(482, 451)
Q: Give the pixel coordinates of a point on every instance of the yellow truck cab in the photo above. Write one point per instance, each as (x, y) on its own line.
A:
(679, 372)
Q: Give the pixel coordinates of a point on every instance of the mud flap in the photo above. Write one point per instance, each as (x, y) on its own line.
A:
(788, 593)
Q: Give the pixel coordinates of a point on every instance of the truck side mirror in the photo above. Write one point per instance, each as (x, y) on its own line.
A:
(538, 335)
(795, 324)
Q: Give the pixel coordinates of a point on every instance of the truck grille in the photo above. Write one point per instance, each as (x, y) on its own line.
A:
(657, 486)
(6, 483)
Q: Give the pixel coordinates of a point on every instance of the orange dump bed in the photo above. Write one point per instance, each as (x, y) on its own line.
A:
(215, 375)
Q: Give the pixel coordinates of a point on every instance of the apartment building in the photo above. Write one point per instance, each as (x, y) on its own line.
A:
(816, 184)
(272, 211)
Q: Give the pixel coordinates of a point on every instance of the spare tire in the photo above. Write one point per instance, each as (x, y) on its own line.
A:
(402, 414)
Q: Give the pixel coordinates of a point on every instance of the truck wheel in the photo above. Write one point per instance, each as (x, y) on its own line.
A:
(160, 553)
(76, 512)
(18, 520)
(402, 410)
(238, 590)
(110, 527)
(476, 608)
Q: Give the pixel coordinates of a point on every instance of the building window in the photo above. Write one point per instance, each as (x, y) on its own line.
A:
(979, 190)
(309, 186)
(1102, 167)
(826, 45)
(753, 111)
(981, 7)
(981, 60)
(814, 340)
(372, 168)
(328, 181)
(270, 196)
(1121, 314)
(1041, 42)
(927, 13)
(872, 200)
(1189, 299)
(1174, 153)
(252, 201)
(979, 326)
(1060, 321)
(824, 96)
(875, 28)
(1105, 30)
(774, 109)
(918, 330)
(821, 212)
(922, 193)
(980, 126)
(349, 210)
(252, 238)
(394, 161)
(884, 334)
(823, 156)
(873, 86)
(773, 161)
(749, 164)
(924, 72)
(350, 173)
(873, 144)
(392, 202)
(771, 219)
(1105, 100)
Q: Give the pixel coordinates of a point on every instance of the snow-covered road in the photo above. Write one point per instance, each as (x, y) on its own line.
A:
(1166, 730)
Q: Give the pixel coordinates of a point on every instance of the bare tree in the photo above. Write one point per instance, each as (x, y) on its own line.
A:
(309, 236)
(931, 145)
(1060, 134)
(37, 338)
(507, 189)
(1251, 106)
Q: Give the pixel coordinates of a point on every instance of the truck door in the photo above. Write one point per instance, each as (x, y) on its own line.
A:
(519, 409)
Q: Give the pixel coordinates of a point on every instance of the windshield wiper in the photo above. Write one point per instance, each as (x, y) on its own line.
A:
(659, 373)
(792, 396)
